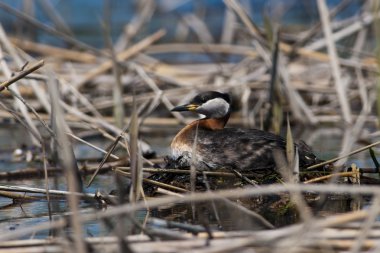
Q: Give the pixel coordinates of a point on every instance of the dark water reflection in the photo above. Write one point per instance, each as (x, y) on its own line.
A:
(275, 209)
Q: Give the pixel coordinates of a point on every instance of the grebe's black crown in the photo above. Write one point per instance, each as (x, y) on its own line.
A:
(208, 95)
(212, 104)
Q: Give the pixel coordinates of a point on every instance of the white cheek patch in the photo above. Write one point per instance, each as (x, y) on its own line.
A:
(214, 108)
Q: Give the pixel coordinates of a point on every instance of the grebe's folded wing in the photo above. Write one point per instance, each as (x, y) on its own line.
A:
(245, 149)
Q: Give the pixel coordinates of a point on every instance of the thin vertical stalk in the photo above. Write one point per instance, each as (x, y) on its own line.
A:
(272, 96)
(376, 27)
(66, 159)
(289, 144)
(136, 167)
(334, 61)
(117, 89)
(193, 170)
(46, 181)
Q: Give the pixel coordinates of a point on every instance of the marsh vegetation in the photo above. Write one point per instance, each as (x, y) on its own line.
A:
(85, 129)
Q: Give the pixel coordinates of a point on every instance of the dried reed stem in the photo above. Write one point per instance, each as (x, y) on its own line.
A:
(123, 56)
(327, 177)
(51, 51)
(21, 74)
(153, 182)
(334, 61)
(344, 156)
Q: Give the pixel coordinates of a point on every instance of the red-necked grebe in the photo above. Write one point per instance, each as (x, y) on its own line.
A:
(217, 147)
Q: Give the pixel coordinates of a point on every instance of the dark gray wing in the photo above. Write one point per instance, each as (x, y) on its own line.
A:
(245, 149)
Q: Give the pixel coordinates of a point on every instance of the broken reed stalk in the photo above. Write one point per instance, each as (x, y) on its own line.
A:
(92, 146)
(105, 158)
(21, 74)
(19, 197)
(26, 189)
(327, 177)
(180, 171)
(153, 182)
(88, 169)
(344, 156)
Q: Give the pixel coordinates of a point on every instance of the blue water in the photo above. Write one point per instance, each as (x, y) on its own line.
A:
(86, 18)
(15, 216)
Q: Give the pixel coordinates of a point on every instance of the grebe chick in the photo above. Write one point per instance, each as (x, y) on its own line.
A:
(217, 147)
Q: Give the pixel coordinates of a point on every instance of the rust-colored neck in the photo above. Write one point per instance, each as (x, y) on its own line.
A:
(186, 135)
(212, 124)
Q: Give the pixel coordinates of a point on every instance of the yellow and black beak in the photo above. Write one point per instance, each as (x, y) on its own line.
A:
(187, 107)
